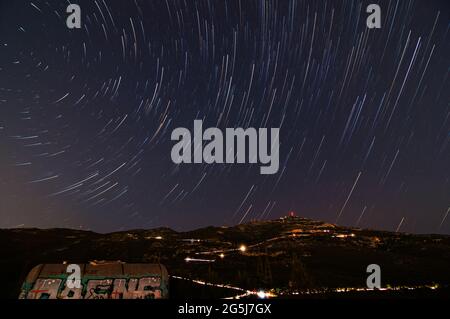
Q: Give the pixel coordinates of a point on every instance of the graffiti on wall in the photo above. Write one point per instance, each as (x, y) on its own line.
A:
(97, 281)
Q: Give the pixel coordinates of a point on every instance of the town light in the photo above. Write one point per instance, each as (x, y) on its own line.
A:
(261, 294)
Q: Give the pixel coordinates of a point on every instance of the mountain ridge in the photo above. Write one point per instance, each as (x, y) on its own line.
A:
(288, 256)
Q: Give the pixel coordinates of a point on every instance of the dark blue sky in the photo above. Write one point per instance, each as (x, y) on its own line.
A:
(86, 115)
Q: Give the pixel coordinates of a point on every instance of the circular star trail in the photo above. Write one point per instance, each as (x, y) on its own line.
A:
(86, 114)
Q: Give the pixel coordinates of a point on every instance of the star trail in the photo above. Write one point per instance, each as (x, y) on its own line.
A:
(86, 114)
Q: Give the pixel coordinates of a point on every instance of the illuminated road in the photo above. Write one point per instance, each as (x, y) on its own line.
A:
(243, 293)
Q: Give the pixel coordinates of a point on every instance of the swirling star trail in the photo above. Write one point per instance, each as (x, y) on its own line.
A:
(86, 114)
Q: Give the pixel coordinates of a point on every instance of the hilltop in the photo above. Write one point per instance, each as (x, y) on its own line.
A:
(291, 256)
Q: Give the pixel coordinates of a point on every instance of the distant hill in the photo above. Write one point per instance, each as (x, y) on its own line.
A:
(290, 257)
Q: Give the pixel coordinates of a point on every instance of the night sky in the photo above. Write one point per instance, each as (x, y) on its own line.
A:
(86, 114)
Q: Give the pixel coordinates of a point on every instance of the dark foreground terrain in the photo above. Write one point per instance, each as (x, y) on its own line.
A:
(289, 258)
